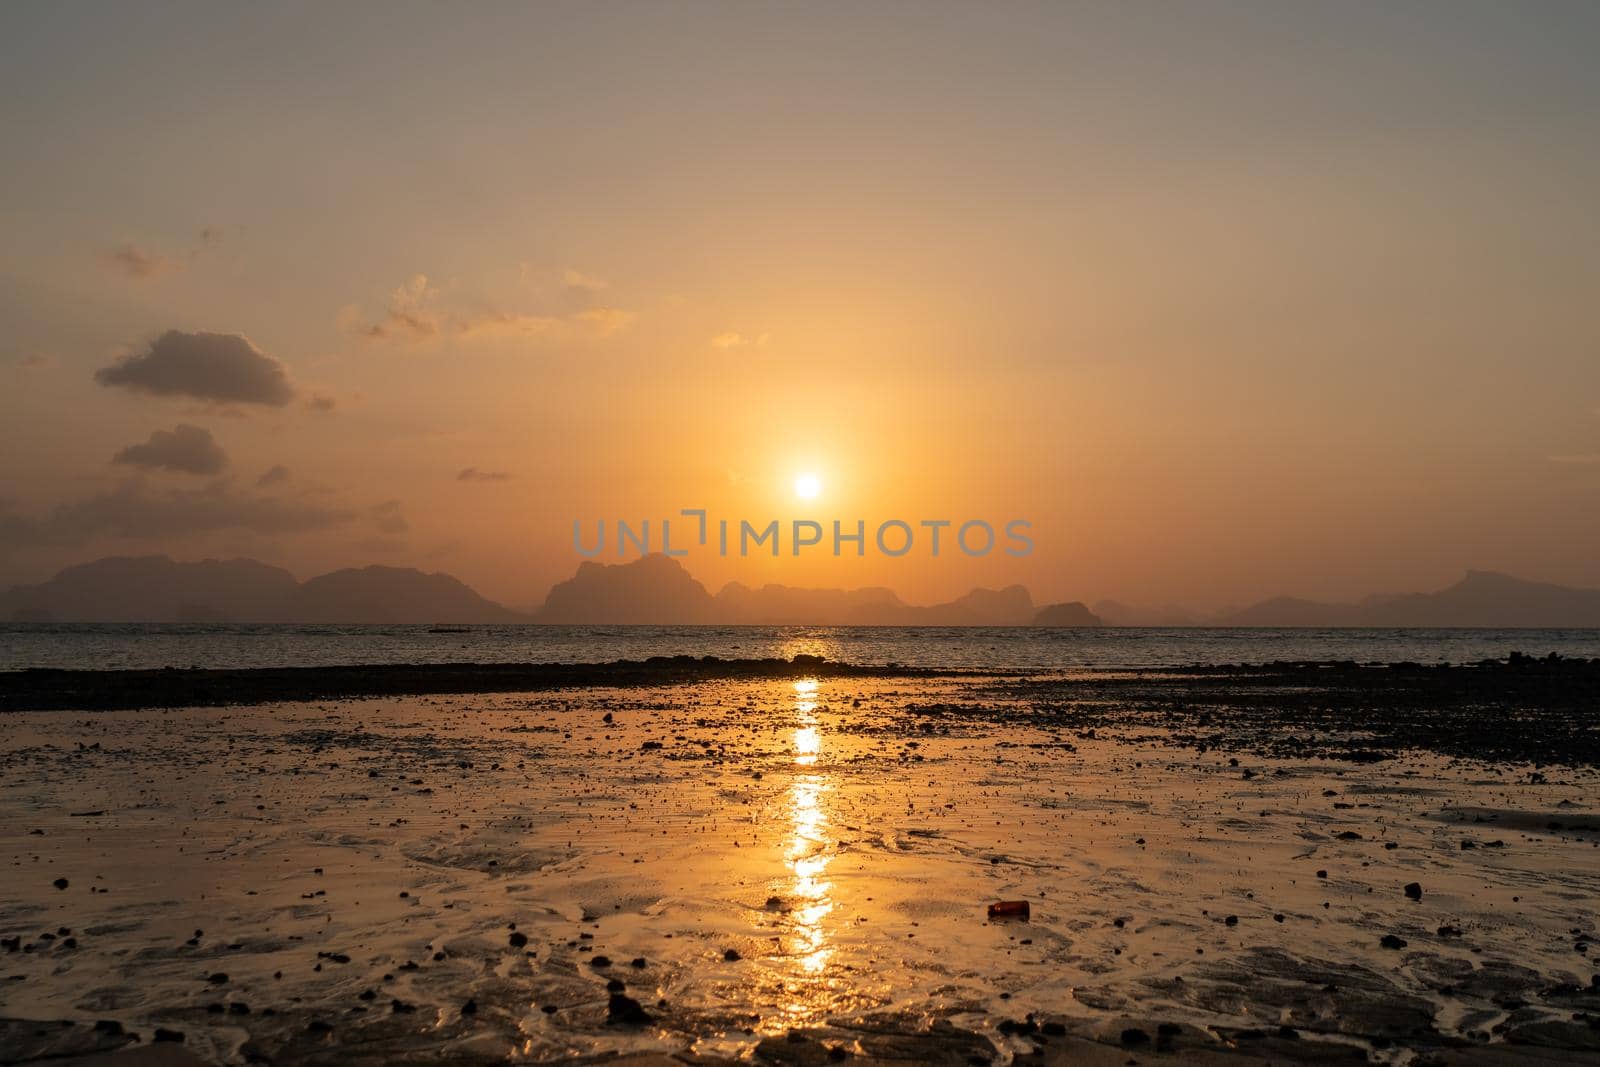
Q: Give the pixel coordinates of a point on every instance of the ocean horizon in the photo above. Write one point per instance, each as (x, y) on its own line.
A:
(133, 646)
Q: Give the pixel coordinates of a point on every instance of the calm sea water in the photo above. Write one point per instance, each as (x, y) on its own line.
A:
(102, 647)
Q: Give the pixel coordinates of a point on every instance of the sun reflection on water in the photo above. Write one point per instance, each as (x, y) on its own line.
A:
(807, 741)
(807, 854)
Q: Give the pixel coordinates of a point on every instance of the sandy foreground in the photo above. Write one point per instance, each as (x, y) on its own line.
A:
(791, 871)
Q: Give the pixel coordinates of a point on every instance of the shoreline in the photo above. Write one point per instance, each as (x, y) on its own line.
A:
(1517, 710)
(60, 689)
(797, 871)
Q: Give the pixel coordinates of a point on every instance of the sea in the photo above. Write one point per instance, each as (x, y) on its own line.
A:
(112, 646)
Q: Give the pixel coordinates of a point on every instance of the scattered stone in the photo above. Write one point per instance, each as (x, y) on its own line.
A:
(623, 1010)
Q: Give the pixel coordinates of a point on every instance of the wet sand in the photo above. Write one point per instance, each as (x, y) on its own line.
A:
(797, 869)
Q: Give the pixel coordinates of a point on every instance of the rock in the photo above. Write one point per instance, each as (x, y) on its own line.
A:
(1392, 941)
(61, 883)
(732, 955)
(1414, 890)
(623, 1010)
(518, 939)
(469, 1008)
(1133, 1037)
(163, 1034)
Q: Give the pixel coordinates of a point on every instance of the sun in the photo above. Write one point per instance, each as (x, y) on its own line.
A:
(807, 486)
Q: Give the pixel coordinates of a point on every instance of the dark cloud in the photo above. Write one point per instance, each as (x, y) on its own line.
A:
(473, 474)
(184, 448)
(275, 475)
(224, 368)
(136, 512)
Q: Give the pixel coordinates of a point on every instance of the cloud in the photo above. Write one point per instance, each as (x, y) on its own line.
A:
(409, 314)
(473, 474)
(417, 312)
(389, 517)
(187, 449)
(134, 262)
(732, 339)
(578, 282)
(276, 474)
(503, 323)
(136, 512)
(605, 321)
(224, 368)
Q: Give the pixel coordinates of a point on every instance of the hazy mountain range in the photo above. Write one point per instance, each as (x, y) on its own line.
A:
(658, 590)
(157, 589)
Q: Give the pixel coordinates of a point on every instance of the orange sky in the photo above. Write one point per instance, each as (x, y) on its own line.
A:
(1228, 301)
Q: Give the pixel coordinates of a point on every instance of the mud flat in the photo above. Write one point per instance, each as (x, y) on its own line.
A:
(1223, 866)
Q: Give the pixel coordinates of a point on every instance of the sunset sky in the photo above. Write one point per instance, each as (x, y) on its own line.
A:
(1228, 299)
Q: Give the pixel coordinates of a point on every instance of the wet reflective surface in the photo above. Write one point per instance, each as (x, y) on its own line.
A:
(742, 860)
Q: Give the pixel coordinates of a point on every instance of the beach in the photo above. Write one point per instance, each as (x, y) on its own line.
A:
(1306, 863)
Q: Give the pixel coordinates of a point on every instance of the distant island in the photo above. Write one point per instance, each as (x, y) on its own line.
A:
(658, 590)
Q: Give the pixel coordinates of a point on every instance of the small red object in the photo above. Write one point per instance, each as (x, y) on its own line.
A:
(1009, 909)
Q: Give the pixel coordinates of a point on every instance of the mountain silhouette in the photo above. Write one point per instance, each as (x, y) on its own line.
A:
(157, 589)
(783, 605)
(651, 590)
(1070, 613)
(1116, 613)
(392, 594)
(1481, 598)
(657, 590)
